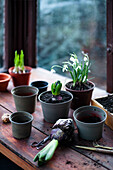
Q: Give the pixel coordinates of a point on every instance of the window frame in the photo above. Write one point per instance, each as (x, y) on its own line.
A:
(109, 59)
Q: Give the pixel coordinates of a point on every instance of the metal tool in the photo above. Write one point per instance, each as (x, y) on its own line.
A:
(107, 151)
(96, 145)
(41, 143)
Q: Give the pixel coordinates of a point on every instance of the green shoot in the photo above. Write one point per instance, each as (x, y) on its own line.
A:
(16, 61)
(19, 62)
(56, 88)
(22, 60)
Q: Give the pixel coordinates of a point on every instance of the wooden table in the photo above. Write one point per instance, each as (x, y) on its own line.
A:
(20, 151)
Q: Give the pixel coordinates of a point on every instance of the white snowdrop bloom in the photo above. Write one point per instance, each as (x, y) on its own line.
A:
(85, 58)
(87, 63)
(52, 70)
(65, 67)
(78, 67)
(74, 60)
(83, 52)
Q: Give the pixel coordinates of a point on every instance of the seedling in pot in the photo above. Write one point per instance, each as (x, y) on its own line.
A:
(19, 62)
(78, 69)
(55, 89)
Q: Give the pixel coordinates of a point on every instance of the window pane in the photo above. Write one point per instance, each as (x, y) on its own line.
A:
(71, 26)
(1, 33)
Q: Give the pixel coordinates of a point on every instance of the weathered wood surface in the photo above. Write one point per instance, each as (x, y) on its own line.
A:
(64, 157)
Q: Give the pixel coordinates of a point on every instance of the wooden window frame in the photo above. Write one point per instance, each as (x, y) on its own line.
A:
(109, 46)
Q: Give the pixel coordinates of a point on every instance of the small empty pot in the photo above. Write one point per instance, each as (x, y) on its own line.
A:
(89, 121)
(41, 85)
(21, 124)
(25, 98)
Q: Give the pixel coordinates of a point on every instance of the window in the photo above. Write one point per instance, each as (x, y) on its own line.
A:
(71, 26)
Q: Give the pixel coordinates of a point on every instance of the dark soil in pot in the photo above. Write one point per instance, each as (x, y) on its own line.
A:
(84, 86)
(48, 97)
(106, 102)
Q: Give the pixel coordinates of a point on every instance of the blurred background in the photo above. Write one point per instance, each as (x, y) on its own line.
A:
(67, 26)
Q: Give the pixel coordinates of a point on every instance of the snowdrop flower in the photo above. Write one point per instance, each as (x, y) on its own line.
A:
(52, 70)
(65, 68)
(74, 60)
(85, 54)
(85, 58)
(87, 63)
(78, 67)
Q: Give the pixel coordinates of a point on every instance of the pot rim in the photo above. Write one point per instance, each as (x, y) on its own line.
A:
(40, 81)
(28, 67)
(90, 124)
(80, 90)
(55, 103)
(8, 77)
(18, 112)
(24, 86)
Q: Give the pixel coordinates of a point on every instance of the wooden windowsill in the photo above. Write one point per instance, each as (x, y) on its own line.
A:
(42, 74)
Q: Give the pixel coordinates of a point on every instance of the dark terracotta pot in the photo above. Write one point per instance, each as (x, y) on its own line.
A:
(41, 85)
(80, 97)
(4, 80)
(20, 79)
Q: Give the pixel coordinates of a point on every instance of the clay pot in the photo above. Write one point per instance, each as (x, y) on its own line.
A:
(22, 78)
(54, 111)
(21, 124)
(80, 97)
(90, 121)
(41, 85)
(4, 80)
(25, 98)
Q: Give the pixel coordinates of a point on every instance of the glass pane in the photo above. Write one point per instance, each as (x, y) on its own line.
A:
(1, 33)
(67, 26)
